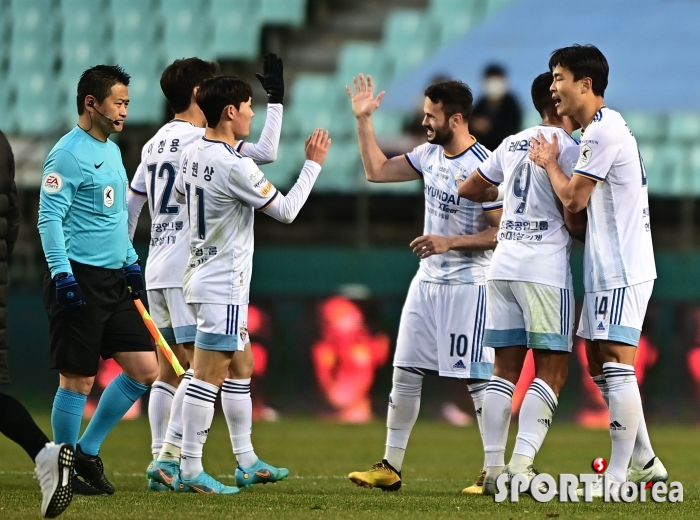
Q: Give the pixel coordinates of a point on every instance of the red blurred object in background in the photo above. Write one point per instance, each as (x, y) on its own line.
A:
(346, 359)
(259, 327)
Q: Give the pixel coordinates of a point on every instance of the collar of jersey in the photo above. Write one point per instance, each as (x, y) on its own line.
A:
(97, 141)
(180, 121)
(460, 154)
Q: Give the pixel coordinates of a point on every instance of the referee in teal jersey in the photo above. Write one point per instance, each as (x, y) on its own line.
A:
(93, 274)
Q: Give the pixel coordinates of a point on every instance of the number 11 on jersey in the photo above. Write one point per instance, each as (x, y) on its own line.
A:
(201, 222)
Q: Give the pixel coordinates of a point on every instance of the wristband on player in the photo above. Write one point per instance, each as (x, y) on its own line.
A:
(68, 292)
(134, 280)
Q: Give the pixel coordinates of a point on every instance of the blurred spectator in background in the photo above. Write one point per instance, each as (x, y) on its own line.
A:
(497, 113)
(346, 358)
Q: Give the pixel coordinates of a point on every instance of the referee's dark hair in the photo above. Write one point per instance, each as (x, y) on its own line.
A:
(584, 61)
(541, 95)
(181, 77)
(217, 93)
(456, 98)
(98, 81)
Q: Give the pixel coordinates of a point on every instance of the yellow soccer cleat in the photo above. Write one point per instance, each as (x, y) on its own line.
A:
(477, 488)
(381, 476)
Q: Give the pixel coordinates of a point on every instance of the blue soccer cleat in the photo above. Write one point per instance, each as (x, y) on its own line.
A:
(162, 472)
(202, 483)
(259, 473)
(157, 486)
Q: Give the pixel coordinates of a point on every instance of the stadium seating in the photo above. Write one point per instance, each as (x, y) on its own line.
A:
(684, 127)
(356, 57)
(666, 168)
(340, 170)
(282, 12)
(646, 126)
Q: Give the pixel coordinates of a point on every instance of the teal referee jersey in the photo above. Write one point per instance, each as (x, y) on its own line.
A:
(82, 206)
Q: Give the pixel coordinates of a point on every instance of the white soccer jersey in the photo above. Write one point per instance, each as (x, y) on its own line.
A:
(154, 178)
(223, 190)
(618, 251)
(533, 242)
(447, 214)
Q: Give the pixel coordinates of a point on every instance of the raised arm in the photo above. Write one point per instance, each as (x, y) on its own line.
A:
(377, 167)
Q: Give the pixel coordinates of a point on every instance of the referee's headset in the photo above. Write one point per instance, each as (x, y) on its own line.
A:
(91, 104)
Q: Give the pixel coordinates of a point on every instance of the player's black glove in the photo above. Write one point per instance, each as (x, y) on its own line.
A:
(68, 292)
(134, 280)
(272, 78)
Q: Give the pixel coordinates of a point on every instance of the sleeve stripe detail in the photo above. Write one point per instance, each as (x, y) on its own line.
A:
(405, 156)
(481, 174)
(240, 146)
(492, 208)
(269, 201)
(588, 175)
(138, 192)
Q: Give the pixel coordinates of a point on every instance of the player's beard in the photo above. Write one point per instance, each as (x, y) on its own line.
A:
(442, 135)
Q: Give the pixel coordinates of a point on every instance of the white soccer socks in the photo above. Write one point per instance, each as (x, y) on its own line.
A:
(643, 453)
(496, 419)
(173, 437)
(159, 405)
(238, 410)
(478, 392)
(625, 415)
(404, 404)
(536, 415)
(197, 414)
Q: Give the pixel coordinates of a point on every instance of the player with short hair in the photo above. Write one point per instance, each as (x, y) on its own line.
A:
(610, 182)
(93, 274)
(530, 289)
(223, 190)
(169, 253)
(442, 322)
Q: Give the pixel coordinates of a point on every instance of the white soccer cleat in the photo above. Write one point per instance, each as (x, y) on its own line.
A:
(54, 469)
(529, 473)
(597, 490)
(492, 474)
(656, 473)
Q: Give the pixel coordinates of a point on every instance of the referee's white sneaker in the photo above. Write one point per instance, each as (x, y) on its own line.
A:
(653, 473)
(54, 469)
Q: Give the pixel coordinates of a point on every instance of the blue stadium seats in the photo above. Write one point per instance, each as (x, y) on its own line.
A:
(646, 126)
(684, 127)
(282, 12)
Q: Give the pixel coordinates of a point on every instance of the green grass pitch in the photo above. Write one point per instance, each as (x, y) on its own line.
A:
(441, 460)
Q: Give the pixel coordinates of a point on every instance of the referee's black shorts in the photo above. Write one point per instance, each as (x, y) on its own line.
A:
(107, 323)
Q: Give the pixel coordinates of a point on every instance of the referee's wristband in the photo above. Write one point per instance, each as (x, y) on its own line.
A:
(61, 276)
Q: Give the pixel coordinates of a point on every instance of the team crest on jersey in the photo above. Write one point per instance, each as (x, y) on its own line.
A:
(586, 154)
(109, 196)
(53, 183)
(243, 332)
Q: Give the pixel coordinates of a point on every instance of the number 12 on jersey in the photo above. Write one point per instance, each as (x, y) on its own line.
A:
(201, 222)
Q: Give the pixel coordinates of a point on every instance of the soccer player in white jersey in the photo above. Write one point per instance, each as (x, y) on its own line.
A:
(223, 190)
(442, 322)
(169, 251)
(530, 291)
(610, 182)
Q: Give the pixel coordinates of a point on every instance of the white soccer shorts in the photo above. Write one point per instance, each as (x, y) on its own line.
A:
(171, 314)
(221, 327)
(529, 314)
(441, 329)
(615, 315)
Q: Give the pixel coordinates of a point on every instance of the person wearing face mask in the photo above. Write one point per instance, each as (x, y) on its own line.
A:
(497, 114)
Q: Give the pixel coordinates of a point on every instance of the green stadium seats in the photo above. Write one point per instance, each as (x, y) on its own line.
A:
(361, 57)
(258, 122)
(387, 124)
(410, 57)
(445, 9)
(407, 28)
(694, 170)
(492, 6)
(683, 127)
(219, 7)
(81, 18)
(35, 106)
(666, 167)
(282, 12)
(340, 173)
(185, 30)
(146, 101)
(646, 126)
(338, 122)
(134, 21)
(453, 27)
(77, 56)
(236, 34)
(285, 170)
(316, 89)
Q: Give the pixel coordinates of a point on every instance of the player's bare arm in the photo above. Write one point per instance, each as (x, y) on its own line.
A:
(574, 193)
(429, 245)
(377, 167)
(477, 189)
(576, 224)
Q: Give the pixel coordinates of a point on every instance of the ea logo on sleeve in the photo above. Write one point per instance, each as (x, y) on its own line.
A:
(586, 154)
(109, 196)
(53, 183)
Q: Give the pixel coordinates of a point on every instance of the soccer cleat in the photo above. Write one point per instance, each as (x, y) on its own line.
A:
(489, 486)
(81, 488)
(654, 473)
(597, 488)
(260, 473)
(381, 476)
(530, 473)
(477, 488)
(91, 469)
(163, 472)
(202, 483)
(54, 469)
(157, 486)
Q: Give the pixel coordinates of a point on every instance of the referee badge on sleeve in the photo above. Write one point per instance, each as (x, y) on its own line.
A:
(52, 183)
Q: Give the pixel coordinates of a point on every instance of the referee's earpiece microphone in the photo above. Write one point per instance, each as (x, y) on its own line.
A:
(91, 104)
